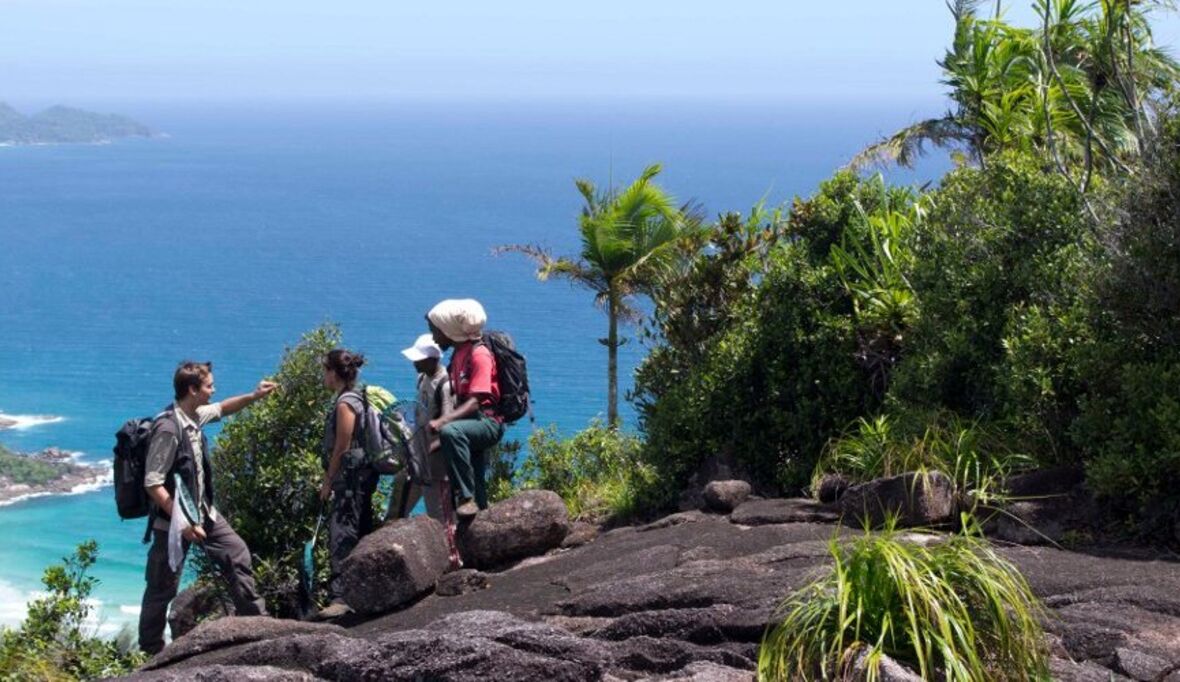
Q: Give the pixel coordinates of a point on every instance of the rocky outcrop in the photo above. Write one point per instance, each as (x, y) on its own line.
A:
(581, 533)
(773, 511)
(395, 564)
(914, 499)
(831, 487)
(461, 582)
(527, 524)
(235, 630)
(724, 496)
(688, 599)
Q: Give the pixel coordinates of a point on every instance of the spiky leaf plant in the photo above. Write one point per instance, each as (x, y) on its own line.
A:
(949, 607)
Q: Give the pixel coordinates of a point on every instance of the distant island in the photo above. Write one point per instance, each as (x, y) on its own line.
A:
(65, 125)
(49, 472)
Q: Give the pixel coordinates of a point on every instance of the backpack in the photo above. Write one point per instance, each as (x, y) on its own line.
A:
(384, 434)
(512, 375)
(131, 448)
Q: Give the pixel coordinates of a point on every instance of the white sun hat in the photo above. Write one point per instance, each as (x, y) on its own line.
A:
(423, 348)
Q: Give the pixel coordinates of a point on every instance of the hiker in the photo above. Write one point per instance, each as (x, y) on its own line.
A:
(178, 449)
(425, 477)
(349, 480)
(468, 431)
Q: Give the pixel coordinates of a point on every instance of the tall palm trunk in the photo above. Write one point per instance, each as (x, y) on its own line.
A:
(612, 355)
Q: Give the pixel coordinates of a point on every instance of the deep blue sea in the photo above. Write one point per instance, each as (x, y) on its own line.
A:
(251, 224)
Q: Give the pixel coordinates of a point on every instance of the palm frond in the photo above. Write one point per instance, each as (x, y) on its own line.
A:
(907, 145)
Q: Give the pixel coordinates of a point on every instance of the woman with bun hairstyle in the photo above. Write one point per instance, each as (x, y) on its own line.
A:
(349, 481)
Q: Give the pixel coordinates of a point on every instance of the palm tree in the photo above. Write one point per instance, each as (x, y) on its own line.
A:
(628, 243)
(1077, 90)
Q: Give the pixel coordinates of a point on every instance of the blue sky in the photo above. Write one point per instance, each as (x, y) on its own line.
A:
(80, 50)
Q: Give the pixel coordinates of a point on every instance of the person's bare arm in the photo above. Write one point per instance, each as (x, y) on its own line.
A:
(345, 424)
(462, 411)
(239, 402)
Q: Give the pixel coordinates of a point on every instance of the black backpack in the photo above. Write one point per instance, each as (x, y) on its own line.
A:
(512, 375)
(131, 448)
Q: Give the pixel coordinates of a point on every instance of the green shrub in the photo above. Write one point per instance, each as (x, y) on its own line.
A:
(999, 245)
(501, 471)
(266, 462)
(54, 642)
(597, 471)
(950, 608)
(1133, 424)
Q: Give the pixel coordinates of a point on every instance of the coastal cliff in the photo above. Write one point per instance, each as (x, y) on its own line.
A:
(65, 125)
(49, 472)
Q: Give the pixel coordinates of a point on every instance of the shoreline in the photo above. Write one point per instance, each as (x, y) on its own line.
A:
(99, 479)
(73, 477)
(25, 421)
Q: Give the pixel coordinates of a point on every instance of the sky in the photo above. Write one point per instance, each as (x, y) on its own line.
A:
(73, 51)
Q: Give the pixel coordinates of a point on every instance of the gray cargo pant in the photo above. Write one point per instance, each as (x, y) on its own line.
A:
(227, 551)
(352, 515)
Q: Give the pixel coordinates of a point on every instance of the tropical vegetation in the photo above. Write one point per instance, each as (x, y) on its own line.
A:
(58, 640)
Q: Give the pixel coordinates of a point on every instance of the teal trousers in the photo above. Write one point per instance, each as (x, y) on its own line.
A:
(465, 444)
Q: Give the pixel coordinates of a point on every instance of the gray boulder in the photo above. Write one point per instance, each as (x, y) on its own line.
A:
(704, 671)
(777, 510)
(224, 673)
(725, 496)
(232, 631)
(461, 582)
(395, 564)
(888, 670)
(917, 499)
(1140, 666)
(581, 533)
(195, 605)
(527, 524)
(831, 487)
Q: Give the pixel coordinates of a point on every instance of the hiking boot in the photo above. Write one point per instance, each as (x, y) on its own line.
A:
(334, 610)
(467, 510)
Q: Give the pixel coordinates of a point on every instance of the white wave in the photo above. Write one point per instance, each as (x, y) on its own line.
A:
(14, 609)
(12, 605)
(27, 421)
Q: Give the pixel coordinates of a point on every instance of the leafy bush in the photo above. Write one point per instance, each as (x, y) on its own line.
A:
(998, 267)
(951, 608)
(55, 642)
(267, 467)
(760, 351)
(501, 471)
(597, 471)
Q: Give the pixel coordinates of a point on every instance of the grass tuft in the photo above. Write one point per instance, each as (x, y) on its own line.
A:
(948, 607)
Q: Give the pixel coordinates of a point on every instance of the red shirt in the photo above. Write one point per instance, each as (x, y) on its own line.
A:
(473, 372)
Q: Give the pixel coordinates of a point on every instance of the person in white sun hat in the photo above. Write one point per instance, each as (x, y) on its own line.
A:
(426, 474)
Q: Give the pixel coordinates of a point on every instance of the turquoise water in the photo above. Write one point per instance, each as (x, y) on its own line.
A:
(252, 224)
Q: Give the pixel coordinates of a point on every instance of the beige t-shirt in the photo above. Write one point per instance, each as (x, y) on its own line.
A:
(162, 454)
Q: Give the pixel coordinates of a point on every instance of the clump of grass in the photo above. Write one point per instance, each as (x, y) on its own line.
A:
(950, 608)
(976, 458)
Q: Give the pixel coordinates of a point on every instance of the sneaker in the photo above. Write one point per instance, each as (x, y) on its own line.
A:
(467, 509)
(334, 610)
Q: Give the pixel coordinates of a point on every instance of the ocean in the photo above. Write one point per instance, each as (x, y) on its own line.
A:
(253, 223)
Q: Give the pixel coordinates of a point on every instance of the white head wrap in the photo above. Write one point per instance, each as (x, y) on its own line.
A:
(461, 319)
